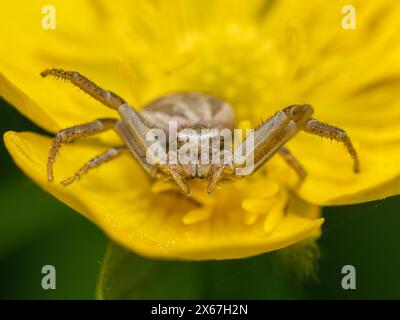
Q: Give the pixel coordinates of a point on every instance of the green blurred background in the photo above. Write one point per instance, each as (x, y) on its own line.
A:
(36, 229)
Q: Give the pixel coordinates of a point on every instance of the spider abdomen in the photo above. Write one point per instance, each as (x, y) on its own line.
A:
(189, 110)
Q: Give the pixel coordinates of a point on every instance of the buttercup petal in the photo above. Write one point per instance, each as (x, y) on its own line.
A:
(118, 198)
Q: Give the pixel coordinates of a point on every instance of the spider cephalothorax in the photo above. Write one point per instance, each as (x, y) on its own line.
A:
(197, 117)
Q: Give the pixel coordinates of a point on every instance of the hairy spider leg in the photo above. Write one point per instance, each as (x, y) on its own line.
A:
(327, 131)
(106, 97)
(271, 136)
(97, 161)
(293, 162)
(135, 123)
(71, 134)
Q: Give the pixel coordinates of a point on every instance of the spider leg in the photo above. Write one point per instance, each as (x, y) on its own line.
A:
(135, 122)
(176, 174)
(271, 136)
(106, 97)
(138, 150)
(293, 162)
(107, 156)
(133, 133)
(268, 138)
(327, 131)
(69, 135)
(215, 177)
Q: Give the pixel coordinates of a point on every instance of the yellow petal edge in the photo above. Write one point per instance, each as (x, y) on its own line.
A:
(110, 197)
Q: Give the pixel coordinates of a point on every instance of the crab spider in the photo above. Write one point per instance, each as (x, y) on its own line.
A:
(194, 111)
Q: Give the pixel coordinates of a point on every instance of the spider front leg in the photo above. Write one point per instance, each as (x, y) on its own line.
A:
(327, 131)
(271, 136)
(268, 139)
(106, 97)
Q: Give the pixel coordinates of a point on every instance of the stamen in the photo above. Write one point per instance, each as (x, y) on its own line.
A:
(275, 214)
(160, 186)
(257, 205)
(250, 217)
(197, 215)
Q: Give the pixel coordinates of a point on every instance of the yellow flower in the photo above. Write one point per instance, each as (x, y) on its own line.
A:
(258, 55)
